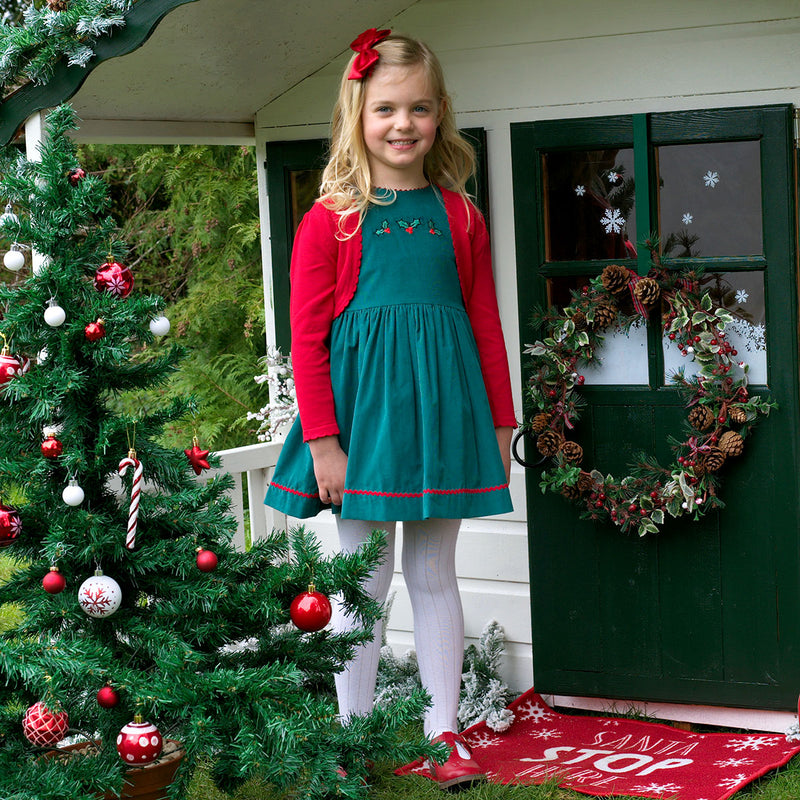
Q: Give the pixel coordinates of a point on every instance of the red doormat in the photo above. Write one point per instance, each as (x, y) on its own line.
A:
(604, 756)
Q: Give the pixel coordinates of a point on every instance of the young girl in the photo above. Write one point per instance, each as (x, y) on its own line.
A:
(400, 365)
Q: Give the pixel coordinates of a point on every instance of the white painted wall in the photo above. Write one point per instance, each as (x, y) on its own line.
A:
(522, 60)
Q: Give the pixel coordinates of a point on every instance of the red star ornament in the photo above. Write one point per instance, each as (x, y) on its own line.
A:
(197, 458)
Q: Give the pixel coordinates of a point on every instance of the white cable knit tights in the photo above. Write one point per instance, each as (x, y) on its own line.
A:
(429, 548)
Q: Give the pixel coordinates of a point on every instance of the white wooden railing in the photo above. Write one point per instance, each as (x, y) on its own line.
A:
(251, 468)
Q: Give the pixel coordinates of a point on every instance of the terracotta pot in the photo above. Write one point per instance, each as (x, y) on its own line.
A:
(149, 782)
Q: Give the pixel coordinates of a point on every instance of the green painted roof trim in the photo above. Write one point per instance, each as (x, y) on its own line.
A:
(141, 21)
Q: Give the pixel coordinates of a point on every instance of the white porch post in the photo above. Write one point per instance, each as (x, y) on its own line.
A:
(34, 135)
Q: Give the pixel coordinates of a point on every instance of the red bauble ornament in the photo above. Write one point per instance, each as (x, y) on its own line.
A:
(115, 278)
(10, 525)
(10, 366)
(139, 742)
(44, 727)
(206, 560)
(310, 611)
(76, 176)
(107, 697)
(51, 447)
(197, 458)
(54, 582)
(95, 330)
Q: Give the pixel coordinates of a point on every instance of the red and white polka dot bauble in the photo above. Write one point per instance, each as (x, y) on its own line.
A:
(139, 742)
(44, 727)
(100, 595)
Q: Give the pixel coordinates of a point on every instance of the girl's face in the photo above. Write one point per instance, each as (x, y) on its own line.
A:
(399, 122)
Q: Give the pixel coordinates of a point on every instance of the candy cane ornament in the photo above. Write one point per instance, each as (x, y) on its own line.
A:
(133, 513)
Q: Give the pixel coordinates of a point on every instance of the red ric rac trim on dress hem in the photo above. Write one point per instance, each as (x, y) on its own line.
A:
(397, 494)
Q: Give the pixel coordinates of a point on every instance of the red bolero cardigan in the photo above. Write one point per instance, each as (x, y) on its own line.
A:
(324, 277)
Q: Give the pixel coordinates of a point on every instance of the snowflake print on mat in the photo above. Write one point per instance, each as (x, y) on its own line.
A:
(734, 762)
(751, 743)
(731, 783)
(580, 190)
(613, 221)
(384, 228)
(533, 711)
(547, 733)
(711, 179)
(432, 229)
(482, 739)
(408, 227)
(659, 788)
(687, 218)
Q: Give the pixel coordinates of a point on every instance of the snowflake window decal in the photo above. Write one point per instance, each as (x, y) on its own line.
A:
(687, 218)
(711, 179)
(580, 190)
(613, 221)
(613, 177)
(741, 296)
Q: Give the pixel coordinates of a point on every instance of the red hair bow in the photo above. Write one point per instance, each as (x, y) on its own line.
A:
(367, 56)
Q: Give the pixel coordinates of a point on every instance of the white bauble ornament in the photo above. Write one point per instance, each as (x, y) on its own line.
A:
(100, 595)
(73, 494)
(14, 260)
(159, 326)
(54, 315)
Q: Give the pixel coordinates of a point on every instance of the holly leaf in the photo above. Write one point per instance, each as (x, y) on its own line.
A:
(705, 302)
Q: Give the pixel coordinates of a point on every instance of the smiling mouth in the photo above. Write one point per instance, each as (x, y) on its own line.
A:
(402, 142)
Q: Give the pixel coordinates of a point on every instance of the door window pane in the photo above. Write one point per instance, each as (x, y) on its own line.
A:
(303, 191)
(589, 205)
(710, 199)
(741, 293)
(622, 357)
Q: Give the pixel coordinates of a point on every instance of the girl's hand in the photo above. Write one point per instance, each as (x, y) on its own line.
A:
(504, 443)
(330, 468)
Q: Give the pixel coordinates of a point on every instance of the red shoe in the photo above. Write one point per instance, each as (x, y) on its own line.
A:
(460, 767)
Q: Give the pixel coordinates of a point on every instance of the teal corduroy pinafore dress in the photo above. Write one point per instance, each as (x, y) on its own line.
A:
(409, 395)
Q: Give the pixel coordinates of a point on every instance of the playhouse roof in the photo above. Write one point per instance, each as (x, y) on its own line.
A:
(205, 67)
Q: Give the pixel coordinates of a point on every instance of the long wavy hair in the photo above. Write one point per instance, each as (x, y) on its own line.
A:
(346, 181)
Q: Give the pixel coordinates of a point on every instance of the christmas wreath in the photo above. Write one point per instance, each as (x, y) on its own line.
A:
(721, 414)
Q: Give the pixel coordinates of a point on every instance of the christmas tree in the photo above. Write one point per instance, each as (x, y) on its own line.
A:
(141, 627)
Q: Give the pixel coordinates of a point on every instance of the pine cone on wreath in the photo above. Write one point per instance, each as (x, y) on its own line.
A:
(701, 418)
(571, 492)
(615, 278)
(540, 422)
(713, 459)
(737, 414)
(580, 321)
(548, 443)
(572, 452)
(605, 316)
(57, 5)
(731, 443)
(585, 483)
(647, 291)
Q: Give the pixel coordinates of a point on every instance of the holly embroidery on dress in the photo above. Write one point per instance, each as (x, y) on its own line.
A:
(384, 228)
(408, 227)
(432, 229)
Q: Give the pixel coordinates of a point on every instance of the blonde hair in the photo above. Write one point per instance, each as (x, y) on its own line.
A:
(346, 181)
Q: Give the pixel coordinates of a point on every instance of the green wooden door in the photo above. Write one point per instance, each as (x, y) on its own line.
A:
(705, 612)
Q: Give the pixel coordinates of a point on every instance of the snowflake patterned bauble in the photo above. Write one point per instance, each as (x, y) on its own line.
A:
(44, 727)
(10, 526)
(310, 611)
(100, 595)
(139, 742)
(114, 278)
